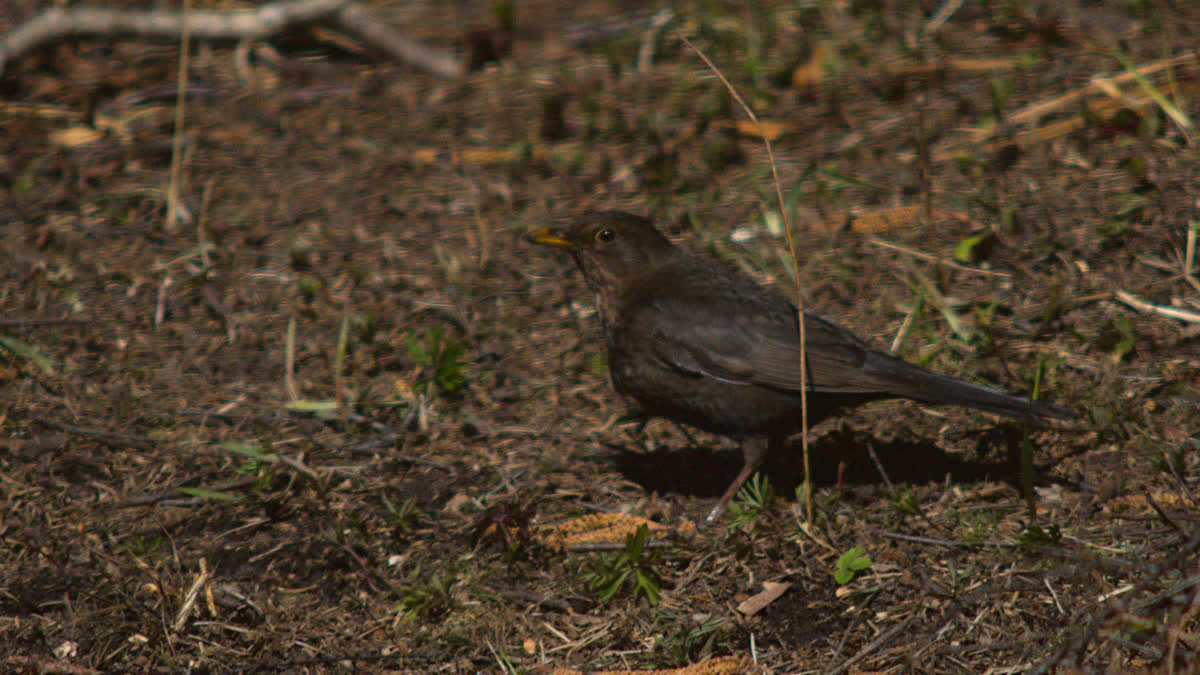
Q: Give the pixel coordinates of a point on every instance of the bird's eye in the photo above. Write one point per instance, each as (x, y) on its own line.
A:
(606, 235)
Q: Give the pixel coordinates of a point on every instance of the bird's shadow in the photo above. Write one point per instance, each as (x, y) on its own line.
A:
(841, 457)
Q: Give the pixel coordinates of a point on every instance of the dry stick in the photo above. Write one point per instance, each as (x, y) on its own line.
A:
(359, 22)
(174, 493)
(924, 162)
(874, 644)
(1185, 124)
(942, 15)
(339, 360)
(289, 362)
(177, 140)
(1039, 109)
(198, 583)
(1161, 513)
(945, 262)
(787, 229)
(59, 23)
(1190, 256)
(201, 239)
(29, 323)
(100, 434)
(1154, 575)
(1174, 632)
(1139, 304)
(481, 228)
(264, 21)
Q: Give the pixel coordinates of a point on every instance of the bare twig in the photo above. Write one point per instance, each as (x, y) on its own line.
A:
(879, 466)
(59, 23)
(1141, 305)
(200, 583)
(289, 362)
(175, 492)
(787, 229)
(356, 20)
(873, 645)
(29, 323)
(177, 139)
(931, 541)
(100, 435)
(943, 15)
(946, 262)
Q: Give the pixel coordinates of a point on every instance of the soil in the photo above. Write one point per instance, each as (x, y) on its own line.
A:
(325, 419)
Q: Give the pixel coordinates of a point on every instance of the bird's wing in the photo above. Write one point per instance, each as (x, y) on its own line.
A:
(751, 340)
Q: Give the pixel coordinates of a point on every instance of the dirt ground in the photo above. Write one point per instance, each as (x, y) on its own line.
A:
(341, 417)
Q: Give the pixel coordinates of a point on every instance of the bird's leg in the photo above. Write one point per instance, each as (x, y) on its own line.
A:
(754, 451)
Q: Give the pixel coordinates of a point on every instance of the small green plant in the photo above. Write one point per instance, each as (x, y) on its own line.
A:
(25, 351)
(502, 660)
(141, 545)
(632, 568)
(754, 498)
(508, 524)
(597, 364)
(365, 325)
(977, 526)
(308, 287)
(692, 645)
(1170, 459)
(1118, 337)
(441, 361)
(1000, 91)
(1109, 231)
(431, 601)
(906, 503)
(403, 517)
(1131, 209)
(958, 578)
(1034, 536)
(260, 461)
(849, 564)
(975, 247)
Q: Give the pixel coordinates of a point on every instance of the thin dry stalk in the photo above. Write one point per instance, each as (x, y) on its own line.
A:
(923, 161)
(339, 360)
(1042, 108)
(177, 139)
(1189, 256)
(1141, 305)
(199, 584)
(907, 325)
(201, 238)
(1181, 120)
(945, 262)
(289, 362)
(787, 229)
(271, 18)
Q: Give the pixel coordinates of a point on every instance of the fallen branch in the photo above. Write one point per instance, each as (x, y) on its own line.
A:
(1141, 305)
(29, 323)
(59, 23)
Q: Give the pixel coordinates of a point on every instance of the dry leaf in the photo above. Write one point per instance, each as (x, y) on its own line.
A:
(73, 137)
(810, 74)
(768, 129)
(877, 220)
(770, 593)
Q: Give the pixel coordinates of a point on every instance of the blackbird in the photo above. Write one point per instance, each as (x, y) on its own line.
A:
(696, 342)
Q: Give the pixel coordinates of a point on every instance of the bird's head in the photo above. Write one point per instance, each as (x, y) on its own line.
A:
(610, 246)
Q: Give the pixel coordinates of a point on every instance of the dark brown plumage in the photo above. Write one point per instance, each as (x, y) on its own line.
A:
(698, 343)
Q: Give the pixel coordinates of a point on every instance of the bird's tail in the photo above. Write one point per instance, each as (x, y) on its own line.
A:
(920, 384)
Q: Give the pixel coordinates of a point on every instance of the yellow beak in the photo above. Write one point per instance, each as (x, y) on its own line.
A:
(548, 237)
